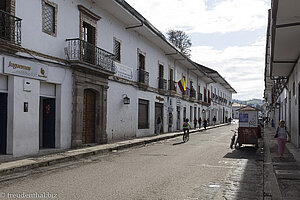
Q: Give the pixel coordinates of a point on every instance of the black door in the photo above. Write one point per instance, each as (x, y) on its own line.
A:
(159, 113)
(3, 122)
(48, 122)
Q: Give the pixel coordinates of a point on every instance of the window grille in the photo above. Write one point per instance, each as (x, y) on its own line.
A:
(117, 50)
(49, 18)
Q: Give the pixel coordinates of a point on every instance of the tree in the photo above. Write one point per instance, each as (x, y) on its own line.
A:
(181, 40)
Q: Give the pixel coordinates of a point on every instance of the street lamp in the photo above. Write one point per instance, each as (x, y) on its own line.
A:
(126, 100)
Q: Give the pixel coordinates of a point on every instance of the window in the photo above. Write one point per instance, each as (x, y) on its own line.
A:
(143, 110)
(117, 50)
(141, 61)
(49, 17)
(294, 89)
(161, 71)
(171, 75)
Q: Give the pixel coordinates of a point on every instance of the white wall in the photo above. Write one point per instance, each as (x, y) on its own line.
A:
(24, 136)
(24, 127)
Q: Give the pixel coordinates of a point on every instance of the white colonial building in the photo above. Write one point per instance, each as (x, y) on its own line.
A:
(94, 71)
(282, 77)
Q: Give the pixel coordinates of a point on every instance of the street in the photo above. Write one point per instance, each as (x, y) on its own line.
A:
(203, 168)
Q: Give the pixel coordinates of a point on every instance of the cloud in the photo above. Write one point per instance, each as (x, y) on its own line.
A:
(242, 66)
(195, 16)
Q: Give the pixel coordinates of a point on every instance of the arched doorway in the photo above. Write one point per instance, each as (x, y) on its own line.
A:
(89, 107)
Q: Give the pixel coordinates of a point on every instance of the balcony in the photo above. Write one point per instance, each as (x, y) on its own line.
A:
(143, 78)
(10, 28)
(80, 51)
(162, 84)
(192, 94)
(172, 85)
(185, 94)
(199, 97)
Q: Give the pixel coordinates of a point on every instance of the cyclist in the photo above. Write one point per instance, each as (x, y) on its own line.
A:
(186, 127)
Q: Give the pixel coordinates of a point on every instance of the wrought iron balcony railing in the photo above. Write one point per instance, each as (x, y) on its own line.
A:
(199, 96)
(186, 92)
(143, 76)
(172, 85)
(162, 84)
(80, 50)
(192, 93)
(10, 28)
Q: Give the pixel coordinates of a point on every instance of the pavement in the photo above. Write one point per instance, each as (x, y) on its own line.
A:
(10, 165)
(281, 175)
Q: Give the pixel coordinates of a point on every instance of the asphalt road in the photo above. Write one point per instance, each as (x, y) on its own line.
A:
(203, 168)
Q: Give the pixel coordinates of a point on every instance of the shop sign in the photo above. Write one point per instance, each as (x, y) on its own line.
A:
(243, 118)
(25, 68)
(124, 71)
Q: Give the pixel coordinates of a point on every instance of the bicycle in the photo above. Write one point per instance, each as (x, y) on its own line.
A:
(186, 135)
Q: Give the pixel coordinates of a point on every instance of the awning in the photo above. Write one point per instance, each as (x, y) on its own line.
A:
(285, 37)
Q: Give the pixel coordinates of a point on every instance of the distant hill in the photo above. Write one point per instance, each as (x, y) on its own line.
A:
(257, 103)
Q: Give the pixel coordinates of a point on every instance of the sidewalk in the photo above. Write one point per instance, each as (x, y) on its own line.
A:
(281, 176)
(19, 164)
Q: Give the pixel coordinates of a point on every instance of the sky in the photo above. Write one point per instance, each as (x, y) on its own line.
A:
(228, 36)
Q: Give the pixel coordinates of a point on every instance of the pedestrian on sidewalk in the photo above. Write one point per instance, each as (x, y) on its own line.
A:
(281, 134)
(199, 122)
(205, 123)
(195, 123)
(158, 125)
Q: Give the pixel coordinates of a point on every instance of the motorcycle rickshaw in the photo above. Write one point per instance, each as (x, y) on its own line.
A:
(248, 126)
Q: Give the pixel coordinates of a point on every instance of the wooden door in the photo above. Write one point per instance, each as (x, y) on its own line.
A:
(89, 106)
(89, 49)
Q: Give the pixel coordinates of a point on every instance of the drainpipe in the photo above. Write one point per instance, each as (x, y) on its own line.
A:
(135, 26)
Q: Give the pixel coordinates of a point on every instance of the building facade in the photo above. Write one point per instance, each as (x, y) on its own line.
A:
(91, 72)
(282, 67)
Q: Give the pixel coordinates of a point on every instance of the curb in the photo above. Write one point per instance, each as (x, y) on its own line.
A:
(7, 168)
(271, 186)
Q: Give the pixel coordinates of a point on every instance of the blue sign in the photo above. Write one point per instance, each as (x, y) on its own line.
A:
(243, 118)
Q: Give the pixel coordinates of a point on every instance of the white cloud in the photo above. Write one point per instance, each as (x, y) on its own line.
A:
(194, 16)
(243, 67)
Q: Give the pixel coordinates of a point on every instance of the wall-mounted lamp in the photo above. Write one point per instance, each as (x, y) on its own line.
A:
(126, 99)
(277, 105)
(203, 110)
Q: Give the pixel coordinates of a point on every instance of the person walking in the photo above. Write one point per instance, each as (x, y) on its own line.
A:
(158, 125)
(205, 123)
(195, 123)
(281, 134)
(199, 122)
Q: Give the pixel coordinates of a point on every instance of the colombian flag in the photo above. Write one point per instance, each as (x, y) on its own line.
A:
(181, 85)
